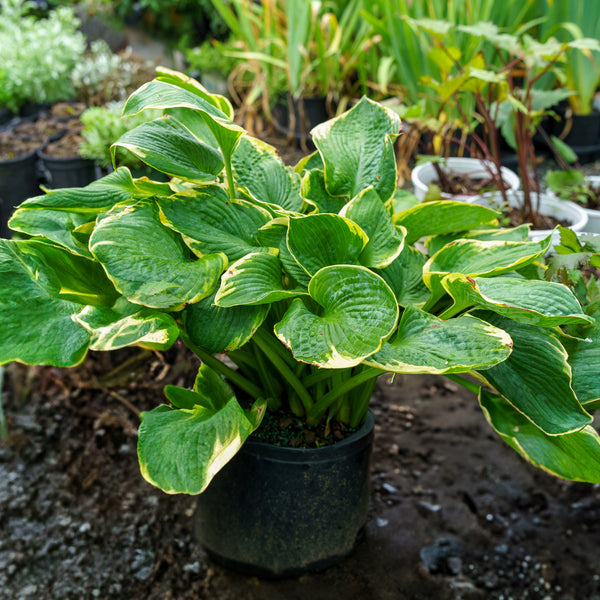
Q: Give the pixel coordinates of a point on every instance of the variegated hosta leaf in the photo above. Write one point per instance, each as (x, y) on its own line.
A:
(210, 222)
(261, 171)
(359, 313)
(405, 277)
(274, 235)
(167, 146)
(148, 263)
(475, 258)
(584, 358)
(126, 324)
(385, 241)
(36, 322)
(357, 150)
(165, 95)
(189, 83)
(317, 241)
(180, 450)
(514, 234)
(255, 279)
(313, 190)
(59, 226)
(99, 196)
(535, 302)
(573, 456)
(536, 378)
(442, 217)
(426, 344)
(219, 329)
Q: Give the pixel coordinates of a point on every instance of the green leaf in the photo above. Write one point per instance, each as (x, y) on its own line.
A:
(357, 150)
(164, 95)
(542, 303)
(573, 456)
(126, 324)
(442, 217)
(255, 279)
(320, 240)
(99, 196)
(426, 344)
(181, 450)
(210, 222)
(36, 322)
(405, 277)
(313, 190)
(259, 169)
(148, 263)
(59, 226)
(536, 378)
(219, 329)
(584, 358)
(167, 146)
(359, 313)
(385, 241)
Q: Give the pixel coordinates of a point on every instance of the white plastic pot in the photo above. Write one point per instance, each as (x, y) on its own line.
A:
(425, 174)
(549, 205)
(593, 215)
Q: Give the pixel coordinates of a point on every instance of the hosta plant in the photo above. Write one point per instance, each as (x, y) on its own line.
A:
(314, 281)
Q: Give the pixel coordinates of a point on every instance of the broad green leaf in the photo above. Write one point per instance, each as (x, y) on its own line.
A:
(36, 323)
(359, 313)
(255, 279)
(99, 196)
(317, 241)
(584, 358)
(260, 170)
(181, 450)
(274, 235)
(385, 241)
(542, 303)
(219, 329)
(313, 190)
(126, 324)
(513, 234)
(211, 385)
(405, 277)
(59, 226)
(426, 344)
(167, 146)
(162, 95)
(357, 150)
(536, 378)
(190, 84)
(573, 456)
(442, 217)
(210, 222)
(148, 263)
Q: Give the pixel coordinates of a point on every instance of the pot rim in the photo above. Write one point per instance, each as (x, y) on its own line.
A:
(286, 453)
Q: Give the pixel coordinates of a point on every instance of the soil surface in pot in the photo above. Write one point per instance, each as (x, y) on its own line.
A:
(454, 512)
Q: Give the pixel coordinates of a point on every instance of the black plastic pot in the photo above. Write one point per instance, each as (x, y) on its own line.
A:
(18, 181)
(308, 112)
(580, 132)
(275, 512)
(67, 172)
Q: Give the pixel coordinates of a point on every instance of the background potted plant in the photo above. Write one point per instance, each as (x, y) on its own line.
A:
(311, 280)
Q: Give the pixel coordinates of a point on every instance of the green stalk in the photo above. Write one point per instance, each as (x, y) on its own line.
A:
(318, 410)
(273, 396)
(469, 385)
(360, 405)
(281, 365)
(229, 173)
(236, 378)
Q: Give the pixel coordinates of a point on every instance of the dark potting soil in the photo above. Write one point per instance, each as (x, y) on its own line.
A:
(284, 428)
(457, 183)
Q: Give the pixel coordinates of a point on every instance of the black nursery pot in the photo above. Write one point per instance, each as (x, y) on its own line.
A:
(18, 181)
(275, 512)
(68, 172)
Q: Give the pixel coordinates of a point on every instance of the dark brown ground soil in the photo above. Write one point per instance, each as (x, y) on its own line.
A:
(454, 513)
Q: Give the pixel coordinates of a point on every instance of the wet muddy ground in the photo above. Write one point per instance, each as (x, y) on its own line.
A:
(455, 514)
